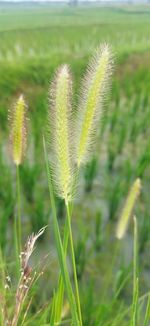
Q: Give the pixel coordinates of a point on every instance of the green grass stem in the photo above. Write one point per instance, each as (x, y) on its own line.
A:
(73, 262)
(57, 304)
(60, 250)
(134, 319)
(19, 208)
(147, 313)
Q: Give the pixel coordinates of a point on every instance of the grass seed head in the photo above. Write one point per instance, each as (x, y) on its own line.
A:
(60, 118)
(128, 208)
(94, 88)
(18, 129)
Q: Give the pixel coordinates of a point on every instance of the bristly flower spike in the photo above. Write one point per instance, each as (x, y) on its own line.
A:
(128, 208)
(94, 87)
(18, 129)
(60, 118)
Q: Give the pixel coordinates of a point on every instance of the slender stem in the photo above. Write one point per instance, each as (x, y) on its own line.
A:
(16, 245)
(134, 318)
(19, 209)
(3, 311)
(73, 262)
(17, 222)
(58, 297)
(135, 259)
(60, 250)
(147, 312)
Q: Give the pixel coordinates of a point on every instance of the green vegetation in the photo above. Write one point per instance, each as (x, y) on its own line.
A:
(35, 40)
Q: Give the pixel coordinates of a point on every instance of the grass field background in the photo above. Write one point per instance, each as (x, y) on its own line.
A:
(34, 40)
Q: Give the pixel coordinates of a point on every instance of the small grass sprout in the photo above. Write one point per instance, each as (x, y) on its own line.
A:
(94, 87)
(60, 118)
(18, 130)
(128, 208)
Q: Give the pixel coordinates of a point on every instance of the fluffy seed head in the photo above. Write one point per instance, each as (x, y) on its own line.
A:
(92, 95)
(60, 118)
(18, 130)
(128, 208)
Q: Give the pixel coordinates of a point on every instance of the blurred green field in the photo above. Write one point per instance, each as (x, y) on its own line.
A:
(34, 40)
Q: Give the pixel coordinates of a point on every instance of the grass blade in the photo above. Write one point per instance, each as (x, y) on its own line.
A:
(60, 250)
(147, 314)
(134, 317)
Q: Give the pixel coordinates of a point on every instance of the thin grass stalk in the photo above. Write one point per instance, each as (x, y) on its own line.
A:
(147, 313)
(73, 262)
(19, 208)
(16, 244)
(2, 290)
(57, 304)
(59, 295)
(17, 222)
(26, 311)
(52, 311)
(134, 319)
(60, 250)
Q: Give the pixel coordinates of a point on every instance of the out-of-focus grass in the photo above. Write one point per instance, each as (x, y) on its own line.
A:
(48, 33)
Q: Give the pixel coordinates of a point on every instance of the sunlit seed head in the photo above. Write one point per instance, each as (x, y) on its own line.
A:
(60, 119)
(93, 92)
(18, 130)
(128, 209)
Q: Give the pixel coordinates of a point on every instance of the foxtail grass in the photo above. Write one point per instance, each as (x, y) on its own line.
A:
(66, 149)
(60, 126)
(18, 133)
(60, 121)
(128, 208)
(18, 130)
(93, 92)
